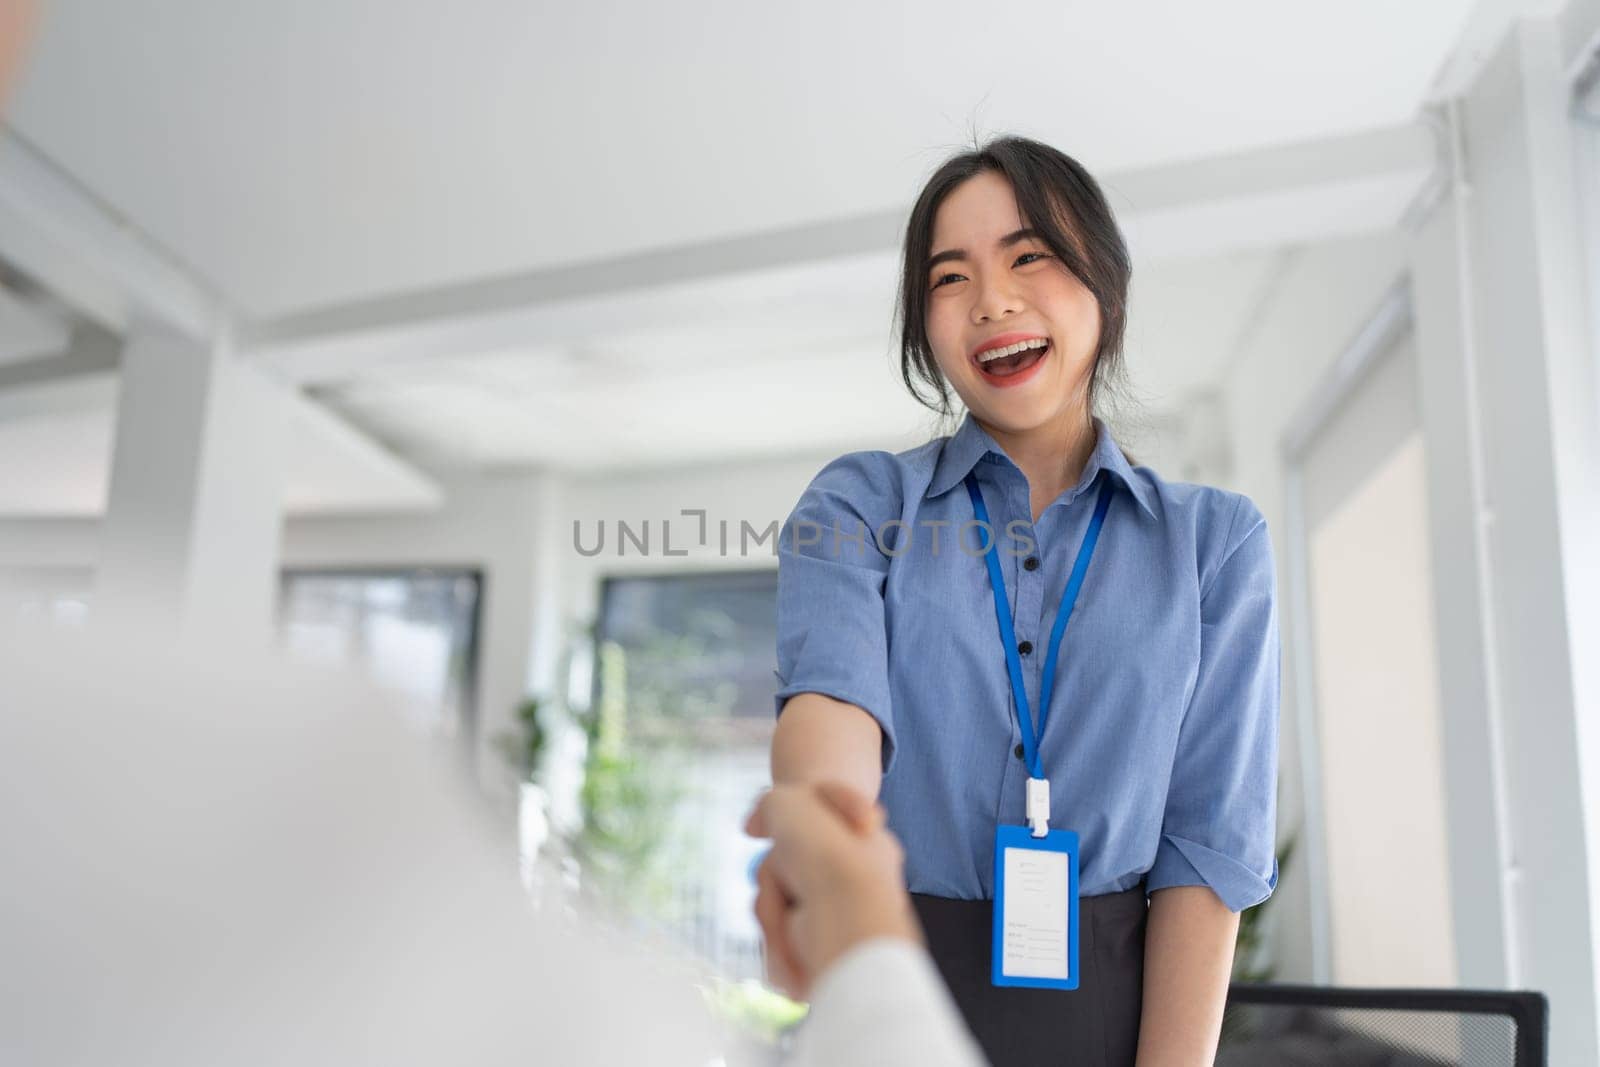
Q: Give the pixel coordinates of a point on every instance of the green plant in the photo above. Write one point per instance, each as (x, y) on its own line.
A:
(629, 792)
(523, 746)
(751, 1008)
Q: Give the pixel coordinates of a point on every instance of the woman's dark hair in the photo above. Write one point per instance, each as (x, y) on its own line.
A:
(1064, 205)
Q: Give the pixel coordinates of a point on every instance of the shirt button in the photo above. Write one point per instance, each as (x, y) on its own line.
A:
(1025, 647)
(1031, 563)
(1018, 751)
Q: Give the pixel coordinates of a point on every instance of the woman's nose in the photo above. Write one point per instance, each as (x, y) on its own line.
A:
(995, 300)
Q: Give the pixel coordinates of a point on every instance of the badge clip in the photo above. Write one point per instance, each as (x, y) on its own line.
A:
(1039, 806)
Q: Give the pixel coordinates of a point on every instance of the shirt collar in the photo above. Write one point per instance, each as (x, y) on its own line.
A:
(971, 443)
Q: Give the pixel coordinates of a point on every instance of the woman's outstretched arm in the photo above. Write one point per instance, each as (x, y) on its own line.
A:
(822, 739)
(1188, 958)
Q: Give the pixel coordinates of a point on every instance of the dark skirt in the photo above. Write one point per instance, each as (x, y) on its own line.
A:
(1095, 1024)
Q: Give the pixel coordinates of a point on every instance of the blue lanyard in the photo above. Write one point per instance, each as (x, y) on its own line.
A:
(1002, 611)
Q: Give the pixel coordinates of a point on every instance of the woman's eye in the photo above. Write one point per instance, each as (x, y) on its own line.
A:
(946, 278)
(1029, 257)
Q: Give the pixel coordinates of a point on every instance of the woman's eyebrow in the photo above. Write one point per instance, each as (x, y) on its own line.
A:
(960, 253)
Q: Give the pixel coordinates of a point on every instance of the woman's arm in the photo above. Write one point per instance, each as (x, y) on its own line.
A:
(1188, 958)
(822, 739)
(1215, 854)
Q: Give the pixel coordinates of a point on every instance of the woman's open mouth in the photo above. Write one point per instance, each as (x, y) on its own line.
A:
(1014, 363)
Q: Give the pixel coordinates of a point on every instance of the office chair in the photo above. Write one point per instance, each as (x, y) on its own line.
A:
(1293, 1025)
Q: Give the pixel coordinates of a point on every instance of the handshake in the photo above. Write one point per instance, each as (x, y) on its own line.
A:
(831, 881)
(841, 933)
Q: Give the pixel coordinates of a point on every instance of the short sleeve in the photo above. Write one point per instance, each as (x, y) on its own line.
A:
(1218, 827)
(832, 637)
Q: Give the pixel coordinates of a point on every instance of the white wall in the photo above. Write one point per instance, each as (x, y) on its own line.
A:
(49, 542)
(1378, 726)
(489, 523)
(1327, 292)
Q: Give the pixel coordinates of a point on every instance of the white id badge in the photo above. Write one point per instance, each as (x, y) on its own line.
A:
(1035, 909)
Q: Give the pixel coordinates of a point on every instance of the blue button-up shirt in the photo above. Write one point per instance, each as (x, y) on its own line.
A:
(1162, 737)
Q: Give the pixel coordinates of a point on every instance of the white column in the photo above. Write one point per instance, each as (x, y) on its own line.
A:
(1475, 786)
(551, 550)
(193, 522)
(1509, 410)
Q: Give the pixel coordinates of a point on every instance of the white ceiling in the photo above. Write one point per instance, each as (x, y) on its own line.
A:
(308, 152)
(792, 361)
(301, 157)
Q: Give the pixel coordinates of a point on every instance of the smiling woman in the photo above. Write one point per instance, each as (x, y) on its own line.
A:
(1058, 796)
(968, 223)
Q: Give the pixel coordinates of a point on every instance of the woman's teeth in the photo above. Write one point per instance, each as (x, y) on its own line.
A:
(1013, 359)
(1011, 350)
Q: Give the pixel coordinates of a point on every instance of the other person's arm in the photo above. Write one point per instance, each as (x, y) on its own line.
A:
(833, 904)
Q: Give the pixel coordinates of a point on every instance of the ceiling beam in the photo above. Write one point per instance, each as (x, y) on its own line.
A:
(90, 350)
(557, 305)
(95, 261)
(29, 328)
(1271, 197)
(71, 395)
(331, 467)
(1281, 196)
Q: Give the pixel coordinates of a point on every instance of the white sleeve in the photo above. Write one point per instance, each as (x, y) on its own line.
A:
(884, 1005)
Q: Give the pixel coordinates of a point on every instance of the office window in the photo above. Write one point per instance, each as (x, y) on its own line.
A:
(683, 724)
(412, 631)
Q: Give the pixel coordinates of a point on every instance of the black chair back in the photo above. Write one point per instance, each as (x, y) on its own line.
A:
(1289, 1025)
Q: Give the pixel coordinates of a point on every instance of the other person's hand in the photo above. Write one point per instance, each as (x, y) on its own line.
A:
(832, 880)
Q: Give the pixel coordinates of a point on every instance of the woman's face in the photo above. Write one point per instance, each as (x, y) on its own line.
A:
(994, 286)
